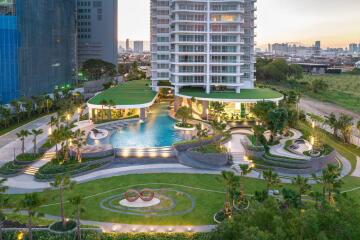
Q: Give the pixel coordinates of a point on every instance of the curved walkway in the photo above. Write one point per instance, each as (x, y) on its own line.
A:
(280, 150)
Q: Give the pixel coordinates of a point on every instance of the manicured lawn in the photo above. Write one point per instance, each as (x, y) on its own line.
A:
(129, 93)
(258, 93)
(208, 200)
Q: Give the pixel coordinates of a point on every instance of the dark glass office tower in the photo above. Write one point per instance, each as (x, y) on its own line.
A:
(38, 39)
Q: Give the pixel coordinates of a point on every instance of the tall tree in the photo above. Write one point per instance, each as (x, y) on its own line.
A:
(30, 203)
(36, 133)
(272, 179)
(345, 124)
(184, 113)
(22, 135)
(61, 183)
(330, 179)
(332, 122)
(301, 184)
(278, 120)
(78, 204)
(261, 111)
(79, 141)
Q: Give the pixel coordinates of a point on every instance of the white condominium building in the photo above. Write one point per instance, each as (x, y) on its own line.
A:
(203, 43)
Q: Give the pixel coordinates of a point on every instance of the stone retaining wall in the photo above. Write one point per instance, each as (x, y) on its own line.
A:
(213, 159)
(196, 144)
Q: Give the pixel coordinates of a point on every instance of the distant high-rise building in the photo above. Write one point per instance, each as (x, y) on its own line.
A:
(353, 48)
(205, 44)
(269, 48)
(127, 47)
(317, 48)
(97, 30)
(281, 49)
(37, 46)
(138, 46)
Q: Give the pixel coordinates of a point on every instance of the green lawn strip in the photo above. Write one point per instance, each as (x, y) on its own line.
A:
(129, 93)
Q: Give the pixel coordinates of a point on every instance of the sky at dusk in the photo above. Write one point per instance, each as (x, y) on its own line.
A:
(335, 22)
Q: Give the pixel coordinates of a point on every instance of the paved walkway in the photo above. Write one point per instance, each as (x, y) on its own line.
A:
(279, 148)
(10, 144)
(356, 172)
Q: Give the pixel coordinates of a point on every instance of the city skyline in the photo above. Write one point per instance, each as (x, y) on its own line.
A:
(307, 21)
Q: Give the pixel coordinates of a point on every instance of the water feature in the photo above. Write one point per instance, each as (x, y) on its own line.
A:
(157, 131)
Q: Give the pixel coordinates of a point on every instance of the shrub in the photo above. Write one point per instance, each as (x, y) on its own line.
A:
(28, 157)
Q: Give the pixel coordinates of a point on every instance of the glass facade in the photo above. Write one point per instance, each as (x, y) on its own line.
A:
(9, 46)
(37, 46)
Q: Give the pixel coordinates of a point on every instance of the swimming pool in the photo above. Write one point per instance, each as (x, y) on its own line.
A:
(157, 131)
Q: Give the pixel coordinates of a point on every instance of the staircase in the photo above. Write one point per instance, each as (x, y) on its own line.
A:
(34, 168)
(31, 171)
(238, 159)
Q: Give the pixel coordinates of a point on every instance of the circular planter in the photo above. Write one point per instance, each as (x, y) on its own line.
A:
(184, 129)
(216, 218)
(70, 230)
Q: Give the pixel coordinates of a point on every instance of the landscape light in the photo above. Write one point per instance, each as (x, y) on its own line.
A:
(312, 141)
(49, 131)
(313, 124)
(20, 236)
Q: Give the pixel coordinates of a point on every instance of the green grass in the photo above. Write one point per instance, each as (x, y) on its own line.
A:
(207, 203)
(129, 93)
(255, 94)
(343, 89)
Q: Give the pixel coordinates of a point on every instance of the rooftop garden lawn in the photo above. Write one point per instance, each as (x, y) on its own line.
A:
(257, 93)
(129, 93)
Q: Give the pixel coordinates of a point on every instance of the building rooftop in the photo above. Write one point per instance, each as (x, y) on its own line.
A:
(127, 94)
(246, 95)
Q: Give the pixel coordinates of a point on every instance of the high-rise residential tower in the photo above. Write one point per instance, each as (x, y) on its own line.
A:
(203, 43)
(138, 46)
(37, 47)
(97, 30)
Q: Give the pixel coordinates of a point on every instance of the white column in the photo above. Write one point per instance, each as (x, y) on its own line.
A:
(90, 113)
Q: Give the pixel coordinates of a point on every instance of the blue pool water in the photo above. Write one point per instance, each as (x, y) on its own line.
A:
(157, 131)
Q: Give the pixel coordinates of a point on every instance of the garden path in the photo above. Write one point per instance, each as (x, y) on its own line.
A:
(356, 172)
(280, 150)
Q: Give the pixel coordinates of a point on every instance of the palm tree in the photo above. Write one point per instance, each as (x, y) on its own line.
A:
(79, 141)
(30, 203)
(4, 202)
(36, 133)
(77, 203)
(48, 102)
(54, 121)
(302, 185)
(231, 181)
(61, 183)
(272, 179)
(345, 123)
(332, 122)
(17, 109)
(330, 180)
(22, 135)
(245, 169)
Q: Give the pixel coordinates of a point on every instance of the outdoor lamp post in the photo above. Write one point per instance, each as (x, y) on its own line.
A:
(68, 118)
